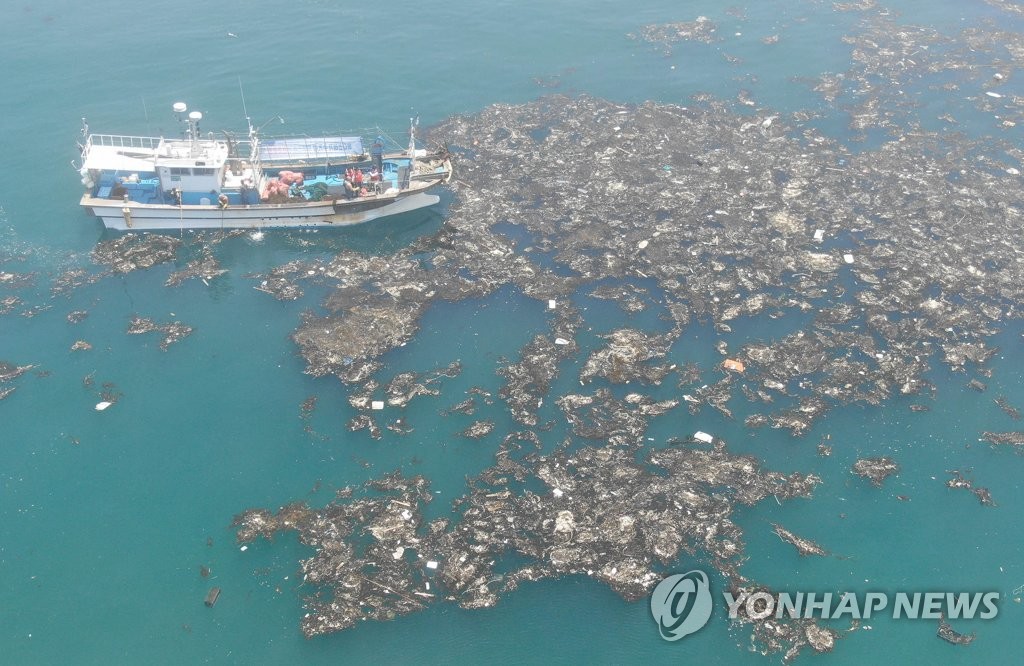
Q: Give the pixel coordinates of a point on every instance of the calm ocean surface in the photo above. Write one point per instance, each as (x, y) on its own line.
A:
(101, 542)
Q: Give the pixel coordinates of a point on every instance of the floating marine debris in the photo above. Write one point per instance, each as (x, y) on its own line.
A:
(467, 407)
(876, 470)
(405, 386)
(948, 634)
(282, 282)
(109, 393)
(602, 514)
(631, 298)
(626, 358)
(702, 29)
(528, 380)
(9, 280)
(172, 332)
(9, 371)
(1014, 439)
(869, 341)
(205, 268)
(364, 422)
(478, 430)
(719, 215)
(803, 546)
(81, 345)
(788, 636)
(77, 316)
(958, 481)
(132, 252)
(1007, 408)
(399, 427)
(402, 388)
(307, 407)
(8, 304)
(72, 279)
(602, 416)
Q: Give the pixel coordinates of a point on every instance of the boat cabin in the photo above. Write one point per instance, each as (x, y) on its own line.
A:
(187, 171)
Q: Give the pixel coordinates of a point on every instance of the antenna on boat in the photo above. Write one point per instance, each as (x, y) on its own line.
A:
(413, 123)
(179, 108)
(145, 112)
(193, 130)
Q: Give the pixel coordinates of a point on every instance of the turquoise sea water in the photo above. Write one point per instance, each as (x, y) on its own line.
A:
(105, 517)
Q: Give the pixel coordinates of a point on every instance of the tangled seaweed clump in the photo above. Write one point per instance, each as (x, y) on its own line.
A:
(9, 372)
(132, 252)
(719, 215)
(601, 514)
(890, 260)
(877, 470)
(722, 217)
(172, 332)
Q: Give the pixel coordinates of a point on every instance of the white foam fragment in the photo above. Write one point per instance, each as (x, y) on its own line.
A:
(552, 304)
(431, 564)
(377, 404)
(398, 553)
(406, 514)
(642, 244)
(100, 406)
(848, 258)
(561, 341)
(557, 492)
(819, 234)
(244, 548)
(702, 436)
(993, 94)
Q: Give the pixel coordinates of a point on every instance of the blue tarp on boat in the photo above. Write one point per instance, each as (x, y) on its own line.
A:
(311, 148)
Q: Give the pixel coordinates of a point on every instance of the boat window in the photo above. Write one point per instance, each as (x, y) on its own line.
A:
(202, 172)
(181, 171)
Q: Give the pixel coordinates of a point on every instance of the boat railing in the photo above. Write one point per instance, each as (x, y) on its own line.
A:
(119, 141)
(147, 143)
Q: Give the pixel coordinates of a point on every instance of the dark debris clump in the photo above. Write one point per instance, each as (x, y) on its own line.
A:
(893, 258)
(876, 470)
(172, 332)
(132, 252)
(958, 481)
(601, 513)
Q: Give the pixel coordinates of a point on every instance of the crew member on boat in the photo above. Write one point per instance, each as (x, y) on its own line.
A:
(351, 191)
(377, 154)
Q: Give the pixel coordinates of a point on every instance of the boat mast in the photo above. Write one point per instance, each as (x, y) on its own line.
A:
(412, 139)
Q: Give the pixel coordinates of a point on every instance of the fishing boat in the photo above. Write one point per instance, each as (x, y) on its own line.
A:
(139, 183)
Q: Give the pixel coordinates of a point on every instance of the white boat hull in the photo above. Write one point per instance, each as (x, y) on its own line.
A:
(159, 217)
